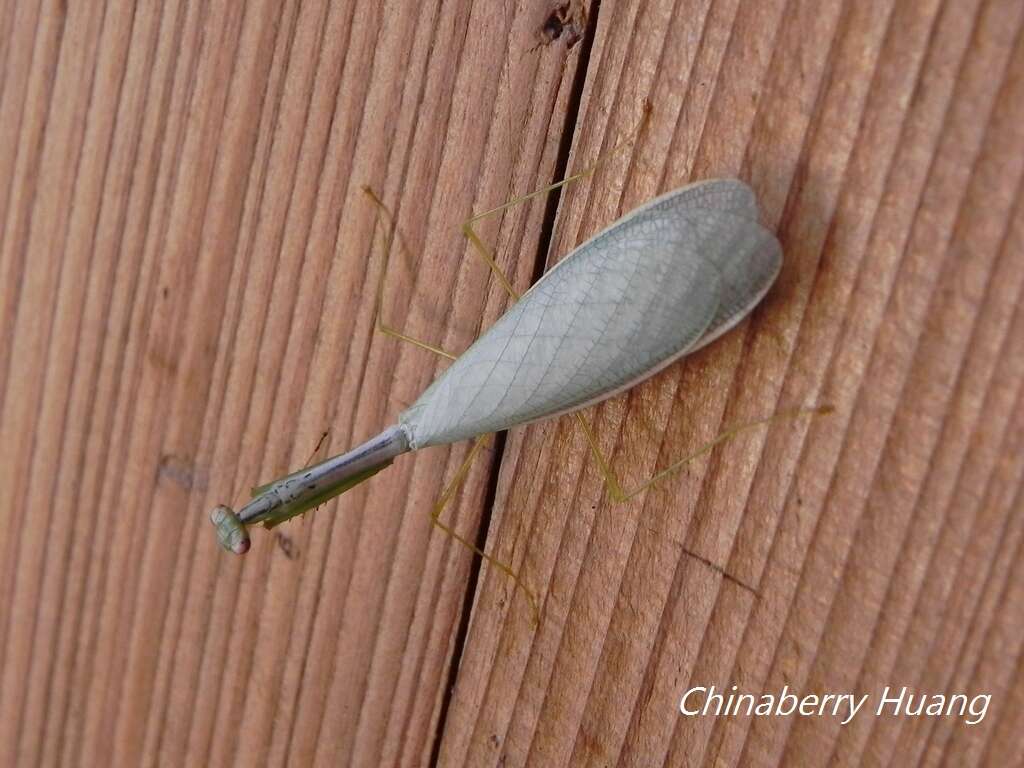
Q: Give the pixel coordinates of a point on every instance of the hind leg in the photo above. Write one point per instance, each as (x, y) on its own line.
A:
(619, 495)
(615, 490)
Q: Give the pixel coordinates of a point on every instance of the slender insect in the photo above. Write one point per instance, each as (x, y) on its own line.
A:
(661, 282)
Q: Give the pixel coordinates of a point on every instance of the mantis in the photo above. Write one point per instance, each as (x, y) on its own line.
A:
(661, 282)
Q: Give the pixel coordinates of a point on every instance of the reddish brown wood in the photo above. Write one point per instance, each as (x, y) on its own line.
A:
(186, 283)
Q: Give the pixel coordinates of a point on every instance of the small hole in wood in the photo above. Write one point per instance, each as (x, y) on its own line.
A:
(286, 545)
(568, 21)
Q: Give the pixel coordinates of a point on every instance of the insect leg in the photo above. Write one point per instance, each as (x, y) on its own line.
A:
(618, 495)
(319, 444)
(474, 239)
(486, 254)
(615, 490)
(378, 322)
(435, 517)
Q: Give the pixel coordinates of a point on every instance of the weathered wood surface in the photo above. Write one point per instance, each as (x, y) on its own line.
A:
(186, 283)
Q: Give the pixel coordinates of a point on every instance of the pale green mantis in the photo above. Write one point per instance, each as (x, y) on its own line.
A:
(661, 282)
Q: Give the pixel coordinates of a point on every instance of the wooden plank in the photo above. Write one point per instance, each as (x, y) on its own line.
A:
(197, 167)
(187, 272)
(876, 546)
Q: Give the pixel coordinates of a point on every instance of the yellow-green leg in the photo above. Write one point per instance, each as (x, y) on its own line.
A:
(618, 495)
(435, 518)
(484, 252)
(615, 490)
(378, 321)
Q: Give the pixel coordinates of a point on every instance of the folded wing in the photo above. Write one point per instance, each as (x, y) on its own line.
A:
(658, 283)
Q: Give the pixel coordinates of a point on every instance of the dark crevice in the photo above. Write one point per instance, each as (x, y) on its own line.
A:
(572, 113)
(540, 259)
(474, 576)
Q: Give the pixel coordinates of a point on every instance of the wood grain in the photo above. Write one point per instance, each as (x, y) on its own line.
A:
(187, 269)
